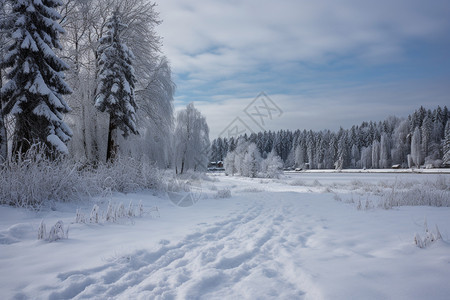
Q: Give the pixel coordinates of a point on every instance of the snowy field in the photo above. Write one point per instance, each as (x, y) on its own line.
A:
(303, 236)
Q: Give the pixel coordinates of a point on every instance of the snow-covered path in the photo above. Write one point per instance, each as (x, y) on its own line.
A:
(269, 241)
(249, 254)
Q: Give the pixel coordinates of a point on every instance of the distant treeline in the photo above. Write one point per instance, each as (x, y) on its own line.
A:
(421, 139)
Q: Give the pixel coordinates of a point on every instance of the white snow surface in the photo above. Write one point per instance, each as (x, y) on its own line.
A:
(273, 239)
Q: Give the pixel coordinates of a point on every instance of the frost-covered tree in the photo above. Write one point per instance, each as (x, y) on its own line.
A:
(272, 166)
(33, 94)
(446, 147)
(401, 146)
(191, 140)
(240, 151)
(220, 149)
(3, 44)
(366, 157)
(246, 159)
(85, 23)
(376, 154)
(426, 134)
(115, 91)
(416, 149)
(355, 157)
(343, 152)
(380, 144)
(300, 154)
(385, 151)
(230, 169)
(310, 147)
(251, 162)
(155, 115)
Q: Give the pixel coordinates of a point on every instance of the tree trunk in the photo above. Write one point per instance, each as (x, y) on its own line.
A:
(182, 165)
(112, 148)
(3, 137)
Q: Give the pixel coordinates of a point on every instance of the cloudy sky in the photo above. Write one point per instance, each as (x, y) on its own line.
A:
(322, 64)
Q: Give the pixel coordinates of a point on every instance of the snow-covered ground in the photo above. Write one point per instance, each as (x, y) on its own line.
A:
(304, 236)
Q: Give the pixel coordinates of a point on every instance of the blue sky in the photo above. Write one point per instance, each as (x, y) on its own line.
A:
(324, 63)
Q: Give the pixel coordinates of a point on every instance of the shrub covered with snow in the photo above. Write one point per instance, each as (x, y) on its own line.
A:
(429, 237)
(127, 174)
(223, 193)
(33, 180)
(57, 232)
(430, 193)
(115, 212)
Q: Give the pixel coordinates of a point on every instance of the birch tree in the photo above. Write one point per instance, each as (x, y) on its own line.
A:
(191, 140)
(416, 149)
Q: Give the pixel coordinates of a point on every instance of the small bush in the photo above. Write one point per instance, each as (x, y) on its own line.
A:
(337, 197)
(429, 237)
(224, 193)
(297, 182)
(42, 231)
(94, 216)
(56, 232)
(80, 218)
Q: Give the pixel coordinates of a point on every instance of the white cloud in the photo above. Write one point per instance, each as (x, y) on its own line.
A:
(248, 33)
(304, 54)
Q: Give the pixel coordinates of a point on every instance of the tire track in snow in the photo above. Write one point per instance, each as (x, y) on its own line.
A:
(250, 252)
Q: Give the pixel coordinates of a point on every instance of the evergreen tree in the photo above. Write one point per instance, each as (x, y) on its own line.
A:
(115, 91)
(33, 94)
(213, 157)
(320, 151)
(446, 158)
(3, 44)
(343, 152)
(438, 125)
(370, 145)
(310, 148)
(231, 145)
(220, 149)
(401, 147)
(426, 133)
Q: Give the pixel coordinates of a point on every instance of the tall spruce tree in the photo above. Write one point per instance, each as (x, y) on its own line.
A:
(3, 137)
(33, 92)
(446, 146)
(115, 91)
